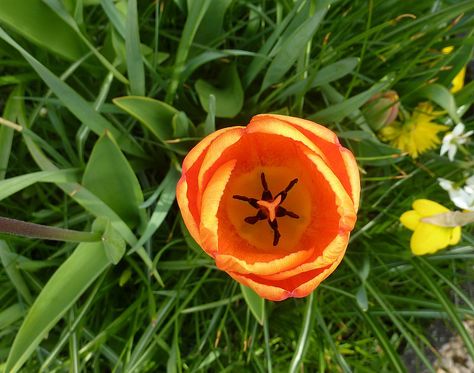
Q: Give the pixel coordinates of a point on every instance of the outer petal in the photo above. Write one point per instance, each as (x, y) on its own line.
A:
(410, 219)
(428, 238)
(183, 202)
(210, 204)
(425, 207)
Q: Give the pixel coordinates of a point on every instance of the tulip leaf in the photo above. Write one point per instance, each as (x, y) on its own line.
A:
(294, 45)
(113, 242)
(39, 23)
(62, 290)
(441, 96)
(155, 115)
(229, 94)
(255, 303)
(111, 178)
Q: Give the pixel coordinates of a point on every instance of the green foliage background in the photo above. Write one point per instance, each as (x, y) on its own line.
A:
(110, 95)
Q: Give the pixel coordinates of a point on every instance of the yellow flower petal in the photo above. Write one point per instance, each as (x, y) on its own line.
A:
(425, 207)
(455, 236)
(410, 219)
(458, 81)
(428, 238)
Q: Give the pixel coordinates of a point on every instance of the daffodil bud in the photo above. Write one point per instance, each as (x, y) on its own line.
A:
(381, 109)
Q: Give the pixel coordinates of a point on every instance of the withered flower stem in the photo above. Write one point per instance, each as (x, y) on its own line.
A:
(31, 230)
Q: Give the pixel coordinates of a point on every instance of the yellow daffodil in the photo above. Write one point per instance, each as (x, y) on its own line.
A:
(428, 238)
(417, 134)
(458, 82)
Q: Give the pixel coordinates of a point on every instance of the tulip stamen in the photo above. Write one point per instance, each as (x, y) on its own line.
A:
(269, 208)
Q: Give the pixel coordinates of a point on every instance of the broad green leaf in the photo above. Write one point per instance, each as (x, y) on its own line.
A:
(74, 102)
(325, 75)
(9, 261)
(211, 25)
(110, 177)
(11, 314)
(114, 243)
(181, 125)
(34, 20)
(337, 112)
(136, 71)
(155, 115)
(441, 96)
(62, 290)
(228, 93)
(17, 183)
(294, 45)
(255, 303)
(6, 133)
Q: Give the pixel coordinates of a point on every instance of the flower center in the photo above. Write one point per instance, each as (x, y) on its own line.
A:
(268, 207)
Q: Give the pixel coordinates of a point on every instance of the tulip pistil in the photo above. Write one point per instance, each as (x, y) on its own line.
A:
(269, 207)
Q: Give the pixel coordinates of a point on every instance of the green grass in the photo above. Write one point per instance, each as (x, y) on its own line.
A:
(116, 101)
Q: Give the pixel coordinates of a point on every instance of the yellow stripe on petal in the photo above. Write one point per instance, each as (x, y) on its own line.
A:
(428, 238)
(425, 207)
(410, 219)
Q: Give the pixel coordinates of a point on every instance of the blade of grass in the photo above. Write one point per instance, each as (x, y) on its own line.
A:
(136, 71)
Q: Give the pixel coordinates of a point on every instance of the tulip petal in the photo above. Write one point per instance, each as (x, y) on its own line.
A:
(425, 207)
(429, 238)
(183, 202)
(210, 204)
(410, 219)
(338, 158)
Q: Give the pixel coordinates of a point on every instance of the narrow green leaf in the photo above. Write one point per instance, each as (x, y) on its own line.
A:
(303, 340)
(447, 305)
(229, 94)
(441, 96)
(17, 183)
(37, 22)
(111, 178)
(136, 71)
(155, 115)
(6, 133)
(162, 207)
(294, 45)
(9, 261)
(255, 303)
(385, 343)
(62, 290)
(196, 13)
(11, 314)
(74, 102)
(361, 297)
(114, 16)
(337, 112)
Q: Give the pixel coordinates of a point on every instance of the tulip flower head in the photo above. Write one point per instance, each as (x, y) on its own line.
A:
(428, 238)
(273, 202)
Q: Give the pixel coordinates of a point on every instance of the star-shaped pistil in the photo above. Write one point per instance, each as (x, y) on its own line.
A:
(269, 208)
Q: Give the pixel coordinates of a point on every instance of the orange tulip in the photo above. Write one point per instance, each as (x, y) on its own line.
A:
(273, 203)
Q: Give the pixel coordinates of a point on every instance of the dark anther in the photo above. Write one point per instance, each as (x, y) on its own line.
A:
(266, 194)
(276, 233)
(252, 201)
(263, 209)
